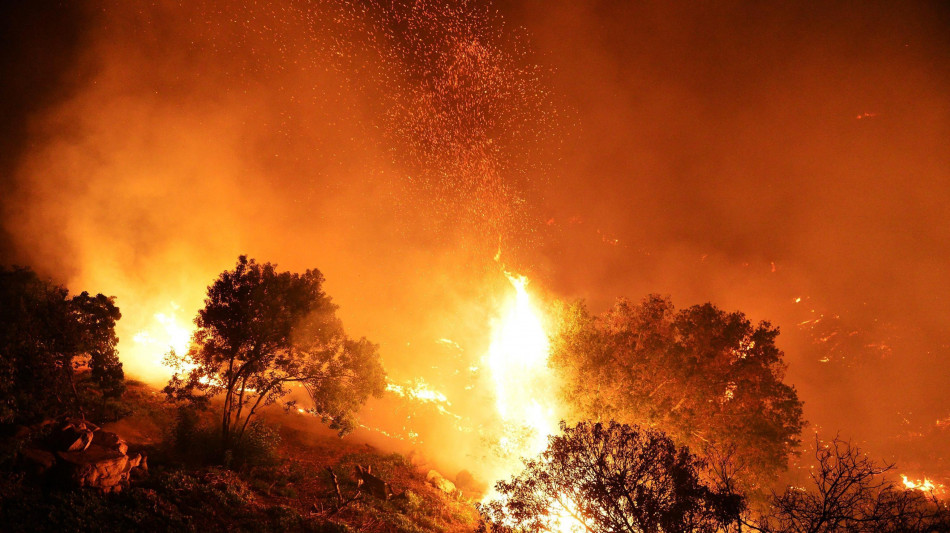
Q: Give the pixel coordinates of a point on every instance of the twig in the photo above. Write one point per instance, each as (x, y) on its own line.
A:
(336, 485)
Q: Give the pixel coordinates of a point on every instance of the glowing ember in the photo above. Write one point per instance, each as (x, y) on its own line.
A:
(417, 390)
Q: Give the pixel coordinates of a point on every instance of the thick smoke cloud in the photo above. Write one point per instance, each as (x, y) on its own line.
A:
(739, 153)
(752, 154)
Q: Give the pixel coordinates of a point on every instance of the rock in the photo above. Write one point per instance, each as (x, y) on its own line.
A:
(111, 440)
(140, 471)
(435, 479)
(89, 467)
(80, 424)
(69, 438)
(81, 454)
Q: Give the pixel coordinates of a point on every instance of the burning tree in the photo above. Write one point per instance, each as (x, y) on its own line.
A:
(263, 332)
(608, 478)
(57, 353)
(709, 379)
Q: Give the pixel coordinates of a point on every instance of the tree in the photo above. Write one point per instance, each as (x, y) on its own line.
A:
(851, 494)
(263, 332)
(707, 378)
(57, 353)
(612, 478)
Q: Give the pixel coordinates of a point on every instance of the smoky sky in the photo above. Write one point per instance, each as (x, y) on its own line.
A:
(788, 160)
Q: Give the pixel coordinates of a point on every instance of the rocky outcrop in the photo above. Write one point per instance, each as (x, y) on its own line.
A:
(84, 455)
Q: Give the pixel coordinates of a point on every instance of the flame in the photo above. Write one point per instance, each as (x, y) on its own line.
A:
(518, 361)
(923, 485)
(166, 331)
(417, 390)
(525, 393)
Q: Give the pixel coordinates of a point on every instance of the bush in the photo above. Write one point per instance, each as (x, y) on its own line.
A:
(195, 441)
(258, 447)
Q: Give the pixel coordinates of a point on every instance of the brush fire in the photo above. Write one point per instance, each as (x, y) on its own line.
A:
(251, 272)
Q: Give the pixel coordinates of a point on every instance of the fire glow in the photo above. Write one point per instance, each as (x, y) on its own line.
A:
(525, 392)
(166, 331)
(518, 358)
(923, 485)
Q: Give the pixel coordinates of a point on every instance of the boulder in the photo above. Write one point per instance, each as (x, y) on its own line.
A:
(81, 454)
(436, 479)
(70, 438)
(417, 460)
(89, 467)
(109, 439)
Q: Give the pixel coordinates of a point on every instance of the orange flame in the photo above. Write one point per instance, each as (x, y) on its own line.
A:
(923, 485)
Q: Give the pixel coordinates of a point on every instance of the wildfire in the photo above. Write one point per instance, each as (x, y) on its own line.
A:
(525, 392)
(923, 485)
(417, 390)
(517, 359)
(166, 331)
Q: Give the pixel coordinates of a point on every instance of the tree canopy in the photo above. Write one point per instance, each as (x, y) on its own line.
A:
(263, 332)
(57, 353)
(612, 478)
(709, 379)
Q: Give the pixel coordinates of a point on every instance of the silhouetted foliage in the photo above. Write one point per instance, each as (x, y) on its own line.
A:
(263, 332)
(610, 478)
(57, 353)
(707, 378)
(852, 494)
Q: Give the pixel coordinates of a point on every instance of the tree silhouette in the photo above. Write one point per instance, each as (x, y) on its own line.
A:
(611, 478)
(57, 353)
(850, 493)
(707, 378)
(263, 332)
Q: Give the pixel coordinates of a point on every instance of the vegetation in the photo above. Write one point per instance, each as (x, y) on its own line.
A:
(263, 332)
(697, 377)
(57, 353)
(612, 477)
(709, 379)
(851, 493)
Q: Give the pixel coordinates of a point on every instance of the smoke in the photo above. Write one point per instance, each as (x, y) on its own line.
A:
(744, 154)
(751, 155)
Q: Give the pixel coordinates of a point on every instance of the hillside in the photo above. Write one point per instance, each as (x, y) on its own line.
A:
(279, 481)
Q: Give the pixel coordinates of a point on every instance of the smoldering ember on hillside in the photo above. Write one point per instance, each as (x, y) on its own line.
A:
(458, 265)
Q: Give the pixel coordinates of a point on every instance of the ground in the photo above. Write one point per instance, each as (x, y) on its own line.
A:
(284, 485)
